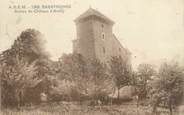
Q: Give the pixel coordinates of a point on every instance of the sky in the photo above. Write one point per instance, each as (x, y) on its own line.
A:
(153, 30)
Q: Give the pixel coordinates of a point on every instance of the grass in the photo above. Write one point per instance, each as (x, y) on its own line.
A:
(73, 109)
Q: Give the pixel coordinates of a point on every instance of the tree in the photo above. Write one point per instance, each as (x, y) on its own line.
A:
(101, 82)
(168, 88)
(144, 74)
(18, 78)
(120, 70)
(29, 45)
(90, 77)
(73, 68)
(26, 54)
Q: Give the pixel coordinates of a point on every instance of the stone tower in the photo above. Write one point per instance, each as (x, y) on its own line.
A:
(95, 38)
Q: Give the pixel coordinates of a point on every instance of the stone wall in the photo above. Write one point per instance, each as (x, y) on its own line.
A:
(85, 41)
(95, 39)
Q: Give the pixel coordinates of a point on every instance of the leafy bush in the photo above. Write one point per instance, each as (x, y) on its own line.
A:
(167, 90)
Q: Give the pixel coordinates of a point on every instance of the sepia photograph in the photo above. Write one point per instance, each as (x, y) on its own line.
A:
(92, 57)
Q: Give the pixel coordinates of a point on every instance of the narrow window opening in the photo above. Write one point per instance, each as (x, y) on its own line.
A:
(119, 49)
(102, 26)
(103, 50)
(103, 36)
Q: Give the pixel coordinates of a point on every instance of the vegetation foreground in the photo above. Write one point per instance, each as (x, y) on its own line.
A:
(74, 109)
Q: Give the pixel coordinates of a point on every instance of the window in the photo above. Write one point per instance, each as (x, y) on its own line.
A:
(119, 49)
(102, 26)
(103, 35)
(103, 50)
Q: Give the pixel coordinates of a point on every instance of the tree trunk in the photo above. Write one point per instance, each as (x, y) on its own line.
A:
(20, 100)
(170, 107)
(155, 106)
(118, 93)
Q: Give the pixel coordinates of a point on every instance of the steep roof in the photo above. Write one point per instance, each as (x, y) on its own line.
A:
(93, 12)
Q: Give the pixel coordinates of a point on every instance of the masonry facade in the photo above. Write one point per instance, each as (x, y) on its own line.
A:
(95, 38)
